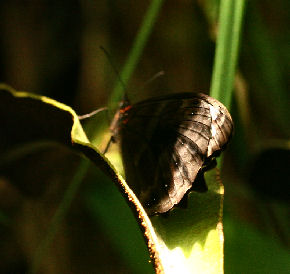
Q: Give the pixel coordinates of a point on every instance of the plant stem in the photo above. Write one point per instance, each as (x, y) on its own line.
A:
(136, 51)
(229, 32)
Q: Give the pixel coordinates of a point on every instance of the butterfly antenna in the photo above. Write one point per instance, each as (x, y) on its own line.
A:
(154, 77)
(110, 59)
(85, 116)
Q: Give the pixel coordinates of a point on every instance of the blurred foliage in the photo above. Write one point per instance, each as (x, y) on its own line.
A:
(52, 47)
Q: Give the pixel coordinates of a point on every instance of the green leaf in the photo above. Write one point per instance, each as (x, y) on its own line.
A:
(46, 122)
(189, 239)
(227, 46)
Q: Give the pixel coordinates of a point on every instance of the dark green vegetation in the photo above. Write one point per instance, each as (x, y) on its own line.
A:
(53, 49)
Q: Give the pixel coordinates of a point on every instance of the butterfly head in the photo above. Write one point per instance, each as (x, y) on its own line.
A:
(120, 118)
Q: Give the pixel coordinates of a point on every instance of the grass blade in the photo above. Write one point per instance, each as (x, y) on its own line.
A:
(137, 49)
(230, 25)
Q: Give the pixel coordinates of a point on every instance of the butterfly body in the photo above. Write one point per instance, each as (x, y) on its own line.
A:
(165, 142)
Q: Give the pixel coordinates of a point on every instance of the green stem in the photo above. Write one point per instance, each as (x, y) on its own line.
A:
(229, 32)
(136, 51)
(226, 55)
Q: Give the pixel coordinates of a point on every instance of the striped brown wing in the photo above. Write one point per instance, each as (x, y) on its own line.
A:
(164, 143)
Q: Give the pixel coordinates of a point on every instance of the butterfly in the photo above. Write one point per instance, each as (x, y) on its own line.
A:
(166, 141)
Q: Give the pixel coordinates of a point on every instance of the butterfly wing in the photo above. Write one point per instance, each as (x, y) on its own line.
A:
(164, 143)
